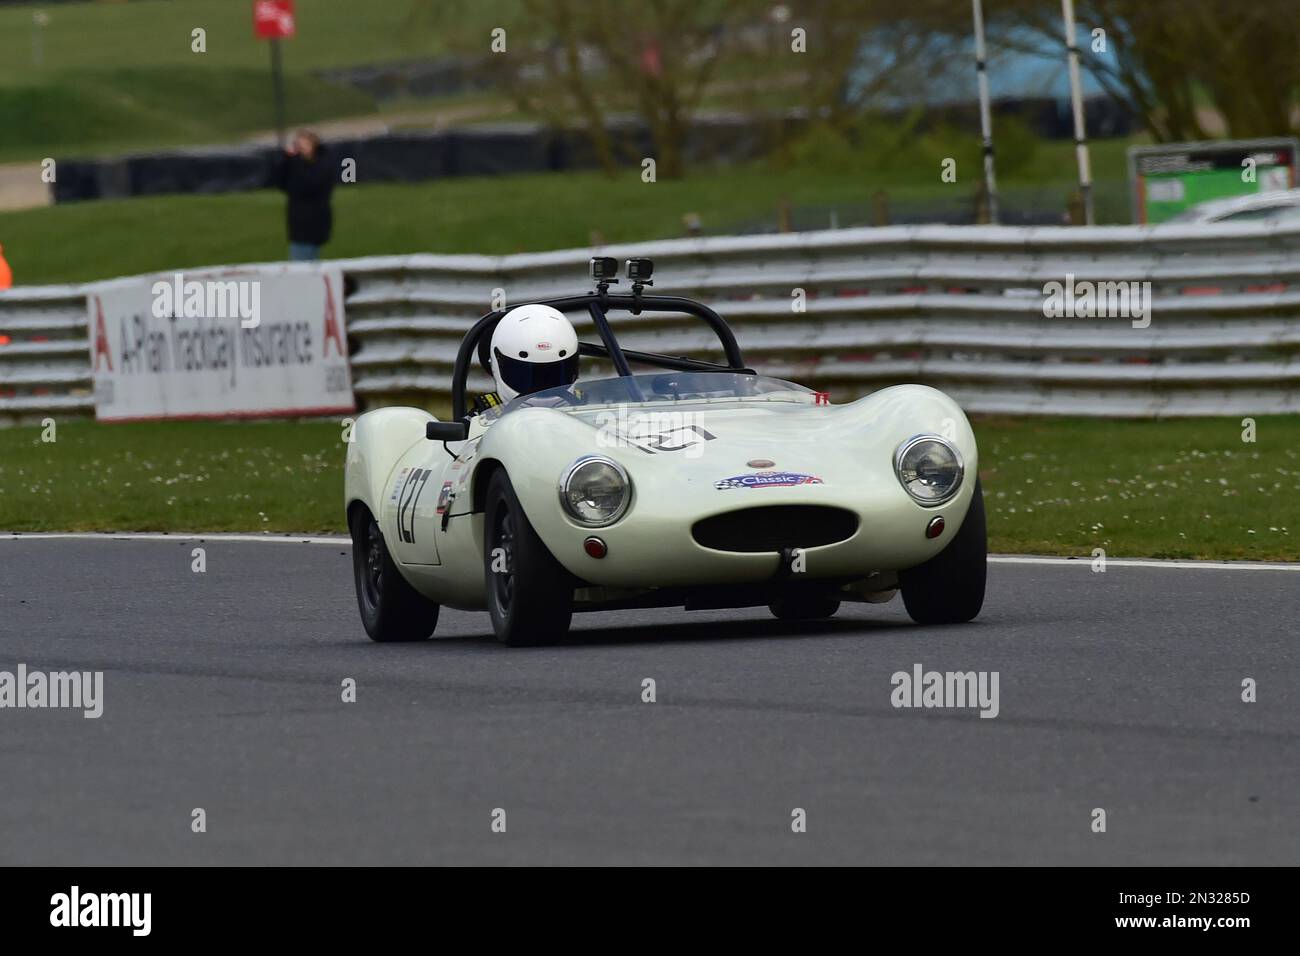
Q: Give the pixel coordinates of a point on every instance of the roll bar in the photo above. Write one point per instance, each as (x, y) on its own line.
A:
(598, 304)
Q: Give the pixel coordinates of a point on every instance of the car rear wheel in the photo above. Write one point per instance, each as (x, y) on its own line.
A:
(949, 588)
(391, 610)
(530, 594)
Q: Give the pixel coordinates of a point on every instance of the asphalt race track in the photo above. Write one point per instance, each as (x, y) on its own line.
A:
(1119, 691)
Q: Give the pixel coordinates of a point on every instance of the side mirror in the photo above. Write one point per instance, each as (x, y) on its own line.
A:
(446, 431)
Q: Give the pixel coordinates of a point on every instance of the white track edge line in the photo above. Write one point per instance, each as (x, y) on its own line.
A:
(158, 536)
(344, 540)
(1146, 563)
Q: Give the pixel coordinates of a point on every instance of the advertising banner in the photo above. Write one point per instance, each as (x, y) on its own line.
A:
(220, 344)
(1171, 178)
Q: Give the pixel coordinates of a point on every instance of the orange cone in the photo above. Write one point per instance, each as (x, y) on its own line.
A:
(6, 274)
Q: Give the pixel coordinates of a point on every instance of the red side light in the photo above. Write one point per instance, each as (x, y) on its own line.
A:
(595, 547)
(935, 527)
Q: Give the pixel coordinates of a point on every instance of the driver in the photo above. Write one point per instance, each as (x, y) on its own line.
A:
(534, 347)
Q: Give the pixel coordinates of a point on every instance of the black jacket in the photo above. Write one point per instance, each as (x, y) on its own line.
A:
(308, 185)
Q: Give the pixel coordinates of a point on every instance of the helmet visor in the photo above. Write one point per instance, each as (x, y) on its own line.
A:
(527, 377)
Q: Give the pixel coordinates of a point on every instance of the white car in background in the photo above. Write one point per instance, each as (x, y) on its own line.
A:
(1276, 206)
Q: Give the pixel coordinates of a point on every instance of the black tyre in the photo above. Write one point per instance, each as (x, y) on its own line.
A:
(804, 606)
(530, 594)
(949, 588)
(391, 609)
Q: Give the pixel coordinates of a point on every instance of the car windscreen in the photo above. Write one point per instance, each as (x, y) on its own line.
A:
(665, 387)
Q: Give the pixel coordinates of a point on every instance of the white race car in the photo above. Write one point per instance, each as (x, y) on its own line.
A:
(700, 486)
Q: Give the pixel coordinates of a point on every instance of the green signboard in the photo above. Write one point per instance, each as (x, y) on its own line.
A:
(1168, 179)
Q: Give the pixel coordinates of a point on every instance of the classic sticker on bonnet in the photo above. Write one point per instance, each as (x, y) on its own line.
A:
(767, 479)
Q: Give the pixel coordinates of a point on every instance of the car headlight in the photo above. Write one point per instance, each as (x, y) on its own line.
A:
(929, 468)
(595, 491)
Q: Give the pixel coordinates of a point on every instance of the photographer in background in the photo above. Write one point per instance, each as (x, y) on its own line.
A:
(308, 179)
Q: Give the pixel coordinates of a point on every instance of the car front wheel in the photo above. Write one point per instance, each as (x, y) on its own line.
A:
(530, 594)
(949, 588)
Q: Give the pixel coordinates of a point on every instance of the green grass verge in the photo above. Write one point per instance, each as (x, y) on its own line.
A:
(173, 476)
(1161, 489)
(500, 214)
(1186, 489)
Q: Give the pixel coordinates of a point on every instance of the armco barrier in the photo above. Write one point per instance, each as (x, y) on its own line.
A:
(958, 308)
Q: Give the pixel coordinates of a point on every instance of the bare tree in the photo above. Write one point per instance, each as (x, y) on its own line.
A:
(661, 61)
(592, 61)
(1164, 58)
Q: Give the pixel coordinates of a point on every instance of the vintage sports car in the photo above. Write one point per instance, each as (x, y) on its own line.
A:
(698, 485)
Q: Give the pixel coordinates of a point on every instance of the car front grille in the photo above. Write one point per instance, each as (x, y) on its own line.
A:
(773, 527)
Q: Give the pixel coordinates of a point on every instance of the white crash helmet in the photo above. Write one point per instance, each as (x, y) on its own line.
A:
(533, 347)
